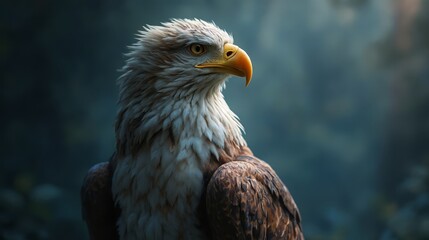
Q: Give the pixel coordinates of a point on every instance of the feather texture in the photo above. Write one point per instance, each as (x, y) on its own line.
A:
(182, 169)
(247, 200)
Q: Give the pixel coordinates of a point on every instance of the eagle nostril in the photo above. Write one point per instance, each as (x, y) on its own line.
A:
(229, 53)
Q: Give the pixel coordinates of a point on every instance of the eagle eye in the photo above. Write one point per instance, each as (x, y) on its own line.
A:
(197, 49)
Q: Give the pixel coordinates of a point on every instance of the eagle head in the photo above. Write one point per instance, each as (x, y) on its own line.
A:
(180, 58)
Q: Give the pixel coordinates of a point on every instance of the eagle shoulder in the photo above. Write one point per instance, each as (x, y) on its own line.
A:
(98, 208)
(247, 200)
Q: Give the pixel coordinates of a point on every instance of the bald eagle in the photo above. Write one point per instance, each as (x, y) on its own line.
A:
(182, 169)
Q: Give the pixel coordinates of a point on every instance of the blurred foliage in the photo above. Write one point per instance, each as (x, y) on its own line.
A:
(338, 106)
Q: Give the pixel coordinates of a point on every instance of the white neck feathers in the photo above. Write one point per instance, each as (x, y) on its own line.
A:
(158, 180)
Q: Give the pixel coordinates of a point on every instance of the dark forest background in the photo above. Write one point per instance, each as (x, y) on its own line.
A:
(339, 106)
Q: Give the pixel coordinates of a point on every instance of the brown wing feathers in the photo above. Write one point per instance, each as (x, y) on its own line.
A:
(247, 200)
(98, 208)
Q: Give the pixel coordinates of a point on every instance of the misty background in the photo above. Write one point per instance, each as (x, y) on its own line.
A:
(338, 106)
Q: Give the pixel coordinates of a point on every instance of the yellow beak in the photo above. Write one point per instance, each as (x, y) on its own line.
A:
(234, 61)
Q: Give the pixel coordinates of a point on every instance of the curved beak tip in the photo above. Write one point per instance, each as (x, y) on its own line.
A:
(244, 64)
(248, 72)
(248, 79)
